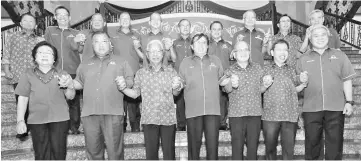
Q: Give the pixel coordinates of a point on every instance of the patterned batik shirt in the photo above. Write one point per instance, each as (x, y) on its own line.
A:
(294, 43)
(280, 99)
(246, 99)
(17, 53)
(155, 88)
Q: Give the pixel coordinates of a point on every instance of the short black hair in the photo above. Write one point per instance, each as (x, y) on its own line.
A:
(27, 14)
(284, 15)
(44, 43)
(100, 33)
(280, 41)
(183, 20)
(61, 7)
(198, 36)
(214, 22)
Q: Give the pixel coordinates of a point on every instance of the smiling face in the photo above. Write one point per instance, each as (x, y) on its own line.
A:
(250, 19)
(280, 53)
(155, 53)
(316, 19)
(200, 46)
(101, 45)
(319, 38)
(97, 22)
(285, 23)
(44, 56)
(185, 27)
(242, 52)
(124, 20)
(28, 22)
(216, 31)
(62, 17)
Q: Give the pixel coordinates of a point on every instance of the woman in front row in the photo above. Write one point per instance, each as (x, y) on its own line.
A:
(157, 83)
(48, 110)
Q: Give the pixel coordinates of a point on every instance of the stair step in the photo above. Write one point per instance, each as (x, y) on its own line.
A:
(350, 51)
(350, 151)
(345, 48)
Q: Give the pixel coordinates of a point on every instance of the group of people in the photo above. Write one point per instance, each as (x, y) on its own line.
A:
(194, 83)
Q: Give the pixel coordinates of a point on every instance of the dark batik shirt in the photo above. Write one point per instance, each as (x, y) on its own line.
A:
(280, 99)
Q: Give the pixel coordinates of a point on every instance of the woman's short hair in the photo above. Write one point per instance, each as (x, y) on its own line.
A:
(44, 43)
(199, 36)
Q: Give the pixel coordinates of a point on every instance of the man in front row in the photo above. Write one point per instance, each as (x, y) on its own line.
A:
(327, 97)
(101, 115)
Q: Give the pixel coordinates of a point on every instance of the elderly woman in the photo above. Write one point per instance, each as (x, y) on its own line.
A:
(157, 83)
(201, 74)
(48, 110)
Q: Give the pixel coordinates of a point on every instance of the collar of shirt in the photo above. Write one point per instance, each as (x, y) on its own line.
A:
(247, 30)
(274, 65)
(188, 39)
(279, 34)
(152, 34)
(238, 67)
(121, 32)
(32, 34)
(205, 57)
(313, 52)
(152, 69)
(221, 41)
(106, 57)
(62, 28)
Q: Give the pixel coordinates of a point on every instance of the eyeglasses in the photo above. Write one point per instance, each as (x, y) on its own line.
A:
(156, 52)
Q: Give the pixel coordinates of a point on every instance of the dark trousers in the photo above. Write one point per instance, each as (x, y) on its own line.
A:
(245, 129)
(74, 109)
(224, 108)
(49, 140)
(27, 108)
(131, 108)
(332, 122)
(181, 113)
(104, 131)
(271, 131)
(152, 136)
(209, 124)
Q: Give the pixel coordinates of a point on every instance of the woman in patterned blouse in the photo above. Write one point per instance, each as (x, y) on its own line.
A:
(17, 53)
(157, 83)
(280, 105)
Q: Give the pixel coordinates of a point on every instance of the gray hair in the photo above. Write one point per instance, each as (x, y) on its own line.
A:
(316, 11)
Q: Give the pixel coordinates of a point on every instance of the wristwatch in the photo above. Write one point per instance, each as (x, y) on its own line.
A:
(351, 102)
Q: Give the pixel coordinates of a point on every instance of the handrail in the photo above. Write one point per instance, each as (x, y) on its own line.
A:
(8, 27)
(81, 22)
(343, 18)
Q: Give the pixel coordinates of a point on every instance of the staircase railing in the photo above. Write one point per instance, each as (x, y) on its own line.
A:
(349, 29)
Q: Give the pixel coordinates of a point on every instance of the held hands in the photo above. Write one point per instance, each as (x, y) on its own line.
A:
(65, 80)
(9, 75)
(176, 82)
(168, 43)
(120, 81)
(80, 38)
(304, 77)
(348, 110)
(21, 127)
(234, 81)
(136, 44)
(267, 81)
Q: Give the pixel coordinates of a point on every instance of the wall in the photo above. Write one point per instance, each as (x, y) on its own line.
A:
(298, 10)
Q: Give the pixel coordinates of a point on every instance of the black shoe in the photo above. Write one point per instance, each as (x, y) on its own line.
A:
(223, 127)
(135, 130)
(181, 128)
(22, 137)
(74, 132)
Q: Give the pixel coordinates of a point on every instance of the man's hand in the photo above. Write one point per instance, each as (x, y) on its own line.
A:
(9, 75)
(120, 81)
(176, 83)
(348, 110)
(235, 81)
(267, 81)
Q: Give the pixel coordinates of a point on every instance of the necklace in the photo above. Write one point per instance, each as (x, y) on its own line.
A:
(42, 79)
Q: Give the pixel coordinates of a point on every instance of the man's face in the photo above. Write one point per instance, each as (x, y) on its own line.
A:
(185, 27)
(155, 21)
(319, 38)
(316, 19)
(101, 45)
(155, 54)
(280, 53)
(124, 20)
(62, 17)
(97, 22)
(250, 19)
(216, 31)
(200, 47)
(285, 23)
(241, 52)
(28, 22)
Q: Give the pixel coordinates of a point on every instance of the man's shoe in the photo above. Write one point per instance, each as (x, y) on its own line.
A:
(74, 132)
(180, 128)
(223, 127)
(22, 137)
(135, 130)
